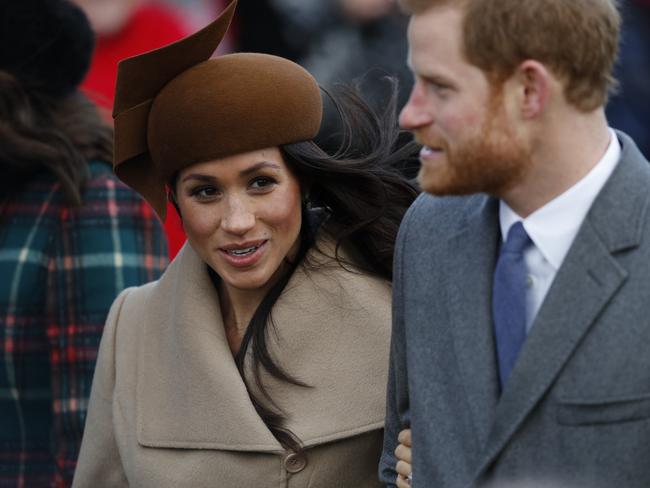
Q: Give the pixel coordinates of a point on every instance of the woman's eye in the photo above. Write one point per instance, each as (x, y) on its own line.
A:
(204, 192)
(262, 183)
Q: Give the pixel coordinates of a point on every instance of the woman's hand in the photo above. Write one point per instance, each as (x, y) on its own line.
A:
(403, 454)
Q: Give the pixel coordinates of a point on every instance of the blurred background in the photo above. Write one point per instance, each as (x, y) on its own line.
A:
(336, 40)
(629, 110)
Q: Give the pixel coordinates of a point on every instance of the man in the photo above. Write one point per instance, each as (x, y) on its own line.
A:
(521, 311)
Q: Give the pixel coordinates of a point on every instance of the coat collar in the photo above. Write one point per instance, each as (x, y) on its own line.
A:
(478, 237)
(331, 330)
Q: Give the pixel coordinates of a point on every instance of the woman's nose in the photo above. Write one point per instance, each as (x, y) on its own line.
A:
(239, 217)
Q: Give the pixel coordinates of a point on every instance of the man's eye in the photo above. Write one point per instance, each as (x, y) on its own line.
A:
(438, 88)
(262, 182)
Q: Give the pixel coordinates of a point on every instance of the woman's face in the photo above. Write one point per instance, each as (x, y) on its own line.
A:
(242, 215)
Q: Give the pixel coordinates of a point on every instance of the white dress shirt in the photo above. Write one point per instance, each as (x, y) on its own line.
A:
(553, 227)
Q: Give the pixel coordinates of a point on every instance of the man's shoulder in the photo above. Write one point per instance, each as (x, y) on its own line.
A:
(435, 214)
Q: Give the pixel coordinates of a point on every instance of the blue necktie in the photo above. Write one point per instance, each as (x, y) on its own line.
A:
(509, 300)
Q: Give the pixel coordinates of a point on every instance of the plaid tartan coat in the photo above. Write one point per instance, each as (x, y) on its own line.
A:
(60, 270)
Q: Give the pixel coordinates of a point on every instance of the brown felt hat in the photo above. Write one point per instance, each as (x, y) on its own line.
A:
(175, 107)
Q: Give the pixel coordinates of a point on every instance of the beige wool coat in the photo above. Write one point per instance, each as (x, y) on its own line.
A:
(169, 409)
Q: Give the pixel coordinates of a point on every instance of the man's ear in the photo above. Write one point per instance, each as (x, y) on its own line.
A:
(534, 88)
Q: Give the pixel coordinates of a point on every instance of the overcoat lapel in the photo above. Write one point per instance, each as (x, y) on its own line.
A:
(330, 328)
(587, 281)
(473, 250)
(196, 400)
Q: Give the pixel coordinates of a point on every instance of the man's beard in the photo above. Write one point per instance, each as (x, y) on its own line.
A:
(491, 162)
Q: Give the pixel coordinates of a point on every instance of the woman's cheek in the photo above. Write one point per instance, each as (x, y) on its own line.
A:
(201, 222)
(284, 212)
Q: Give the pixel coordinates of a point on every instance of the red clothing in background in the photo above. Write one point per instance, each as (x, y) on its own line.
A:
(151, 26)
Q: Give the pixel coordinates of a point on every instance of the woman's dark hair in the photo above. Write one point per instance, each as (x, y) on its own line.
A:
(363, 196)
(39, 132)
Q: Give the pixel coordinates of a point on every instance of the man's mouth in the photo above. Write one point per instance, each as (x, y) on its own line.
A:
(428, 151)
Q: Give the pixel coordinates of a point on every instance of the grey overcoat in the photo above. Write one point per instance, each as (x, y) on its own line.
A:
(576, 409)
(169, 409)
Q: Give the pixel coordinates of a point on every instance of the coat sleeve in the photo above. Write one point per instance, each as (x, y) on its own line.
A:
(99, 463)
(397, 400)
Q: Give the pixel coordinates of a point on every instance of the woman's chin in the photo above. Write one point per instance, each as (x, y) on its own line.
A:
(246, 281)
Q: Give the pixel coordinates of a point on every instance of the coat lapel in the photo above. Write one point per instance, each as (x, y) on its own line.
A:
(474, 249)
(588, 279)
(189, 392)
(330, 328)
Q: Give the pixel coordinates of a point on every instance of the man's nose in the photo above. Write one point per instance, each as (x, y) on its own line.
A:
(239, 217)
(415, 113)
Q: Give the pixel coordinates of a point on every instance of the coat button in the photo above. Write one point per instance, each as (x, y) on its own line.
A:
(295, 463)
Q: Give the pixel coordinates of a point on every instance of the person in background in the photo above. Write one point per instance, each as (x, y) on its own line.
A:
(125, 28)
(521, 325)
(629, 108)
(260, 357)
(201, 12)
(338, 41)
(72, 236)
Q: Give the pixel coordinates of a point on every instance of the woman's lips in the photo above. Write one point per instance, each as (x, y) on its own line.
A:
(244, 260)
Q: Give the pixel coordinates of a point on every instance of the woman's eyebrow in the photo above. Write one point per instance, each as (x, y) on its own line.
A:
(199, 177)
(258, 166)
(252, 169)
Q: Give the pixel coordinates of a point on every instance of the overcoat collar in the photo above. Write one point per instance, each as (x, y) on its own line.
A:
(477, 236)
(331, 329)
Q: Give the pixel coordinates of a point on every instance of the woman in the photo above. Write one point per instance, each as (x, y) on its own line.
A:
(72, 237)
(260, 357)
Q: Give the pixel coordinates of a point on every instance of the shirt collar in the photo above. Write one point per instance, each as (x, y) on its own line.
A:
(553, 227)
